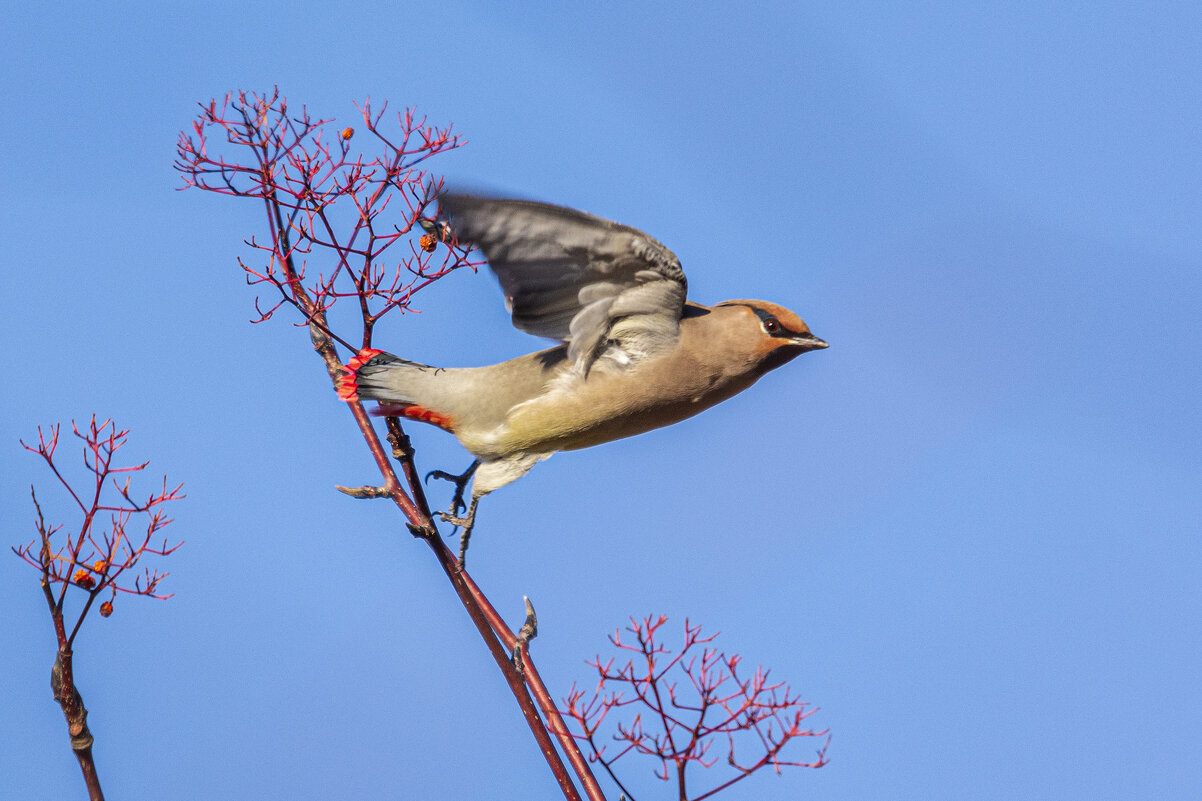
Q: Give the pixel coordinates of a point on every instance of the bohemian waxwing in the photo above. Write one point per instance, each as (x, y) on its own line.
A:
(636, 354)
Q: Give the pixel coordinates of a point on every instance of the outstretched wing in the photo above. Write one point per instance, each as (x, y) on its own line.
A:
(572, 276)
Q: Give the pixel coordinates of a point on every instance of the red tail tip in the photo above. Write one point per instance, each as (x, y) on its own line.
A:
(348, 388)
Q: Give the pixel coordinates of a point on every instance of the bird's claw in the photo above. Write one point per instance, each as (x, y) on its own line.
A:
(460, 481)
(466, 522)
(457, 503)
(450, 516)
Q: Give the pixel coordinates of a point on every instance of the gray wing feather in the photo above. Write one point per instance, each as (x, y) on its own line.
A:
(569, 275)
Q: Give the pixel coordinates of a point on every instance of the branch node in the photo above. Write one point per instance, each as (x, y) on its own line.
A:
(422, 532)
(402, 448)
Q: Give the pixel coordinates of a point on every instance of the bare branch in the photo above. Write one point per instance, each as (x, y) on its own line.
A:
(753, 716)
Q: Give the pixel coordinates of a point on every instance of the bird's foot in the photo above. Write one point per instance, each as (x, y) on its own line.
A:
(466, 522)
(460, 481)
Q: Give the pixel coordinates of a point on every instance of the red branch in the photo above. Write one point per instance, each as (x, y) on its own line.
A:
(689, 701)
(302, 170)
(101, 556)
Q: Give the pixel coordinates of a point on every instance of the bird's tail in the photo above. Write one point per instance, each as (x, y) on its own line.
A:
(395, 382)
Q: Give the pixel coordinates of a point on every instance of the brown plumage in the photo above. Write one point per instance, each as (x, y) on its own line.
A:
(636, 354)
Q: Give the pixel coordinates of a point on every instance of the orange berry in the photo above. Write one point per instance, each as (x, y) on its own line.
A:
(429, 242)
(347, 133)
(84, 579)
(106, 609)
(100, 565)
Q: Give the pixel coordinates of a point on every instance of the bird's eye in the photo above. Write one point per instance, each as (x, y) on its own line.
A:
(772, 326)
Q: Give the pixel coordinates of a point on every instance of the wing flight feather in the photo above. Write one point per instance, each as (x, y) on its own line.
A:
(571, 276)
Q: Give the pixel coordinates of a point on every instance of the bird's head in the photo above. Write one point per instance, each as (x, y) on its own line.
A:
(773, 334)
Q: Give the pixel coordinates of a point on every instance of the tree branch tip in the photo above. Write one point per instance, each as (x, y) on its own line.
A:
(527, 633)
(363, 492)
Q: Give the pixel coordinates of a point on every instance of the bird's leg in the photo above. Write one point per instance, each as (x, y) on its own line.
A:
(460, 482)
(452, 515)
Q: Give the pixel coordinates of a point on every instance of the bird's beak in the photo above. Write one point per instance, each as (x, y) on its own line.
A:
(809, 342)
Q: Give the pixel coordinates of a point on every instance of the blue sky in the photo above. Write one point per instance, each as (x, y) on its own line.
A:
(969, 530)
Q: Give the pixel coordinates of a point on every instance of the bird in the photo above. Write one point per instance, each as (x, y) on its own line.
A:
(635, 353)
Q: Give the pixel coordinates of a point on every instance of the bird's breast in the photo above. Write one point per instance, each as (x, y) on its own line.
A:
(613, 404)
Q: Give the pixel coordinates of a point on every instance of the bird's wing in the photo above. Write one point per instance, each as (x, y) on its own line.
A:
(572, 276)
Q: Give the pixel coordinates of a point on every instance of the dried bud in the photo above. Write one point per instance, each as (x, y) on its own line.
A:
(429, 242)
(347, 133)
(106, 609)
(84, 579)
